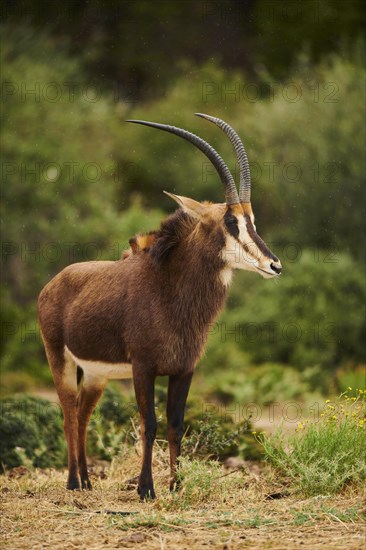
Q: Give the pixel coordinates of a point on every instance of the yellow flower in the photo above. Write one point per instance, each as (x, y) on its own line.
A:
(349, 388)
(254, 433)
(361, 423)
(327, 401)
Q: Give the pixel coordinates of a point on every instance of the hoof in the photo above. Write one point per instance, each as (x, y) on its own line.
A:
(85, 484)
(73, 485)
(146, 493)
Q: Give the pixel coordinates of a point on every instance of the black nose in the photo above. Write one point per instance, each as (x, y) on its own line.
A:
(276, 268)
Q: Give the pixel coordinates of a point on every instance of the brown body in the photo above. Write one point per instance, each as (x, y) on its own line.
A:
(149, 313)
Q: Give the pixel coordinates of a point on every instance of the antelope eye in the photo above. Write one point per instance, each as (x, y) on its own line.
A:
(231, 224)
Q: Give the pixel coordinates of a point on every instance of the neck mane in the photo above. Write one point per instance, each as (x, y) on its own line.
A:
(188, 255)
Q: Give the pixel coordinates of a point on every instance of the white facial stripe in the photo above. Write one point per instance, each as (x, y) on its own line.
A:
(244, 236)
(97, 372)
(252, 220)
(236, 257)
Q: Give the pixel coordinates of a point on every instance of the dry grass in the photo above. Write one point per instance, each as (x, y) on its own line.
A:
(39, 513)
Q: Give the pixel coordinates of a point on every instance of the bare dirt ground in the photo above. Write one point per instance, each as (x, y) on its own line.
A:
(241, 509)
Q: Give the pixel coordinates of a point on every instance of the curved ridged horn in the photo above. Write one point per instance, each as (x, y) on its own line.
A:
(231, 193)
(244, 191)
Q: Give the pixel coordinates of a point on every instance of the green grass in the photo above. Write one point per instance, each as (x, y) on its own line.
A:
(325, 454)
(199, 482)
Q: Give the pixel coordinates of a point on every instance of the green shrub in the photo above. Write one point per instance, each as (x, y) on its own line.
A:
(31, 433)
(31, 430)
(325, 454)
(116, 407)
(262, 385)
(217, 439)
(110, 426)
(210, 431)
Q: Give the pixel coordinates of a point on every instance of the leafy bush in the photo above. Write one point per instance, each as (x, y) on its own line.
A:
(31, 433)
(31, 430)
(262, 385)
(323, 455)
(110, 426)
(218, 439)
(210, 432)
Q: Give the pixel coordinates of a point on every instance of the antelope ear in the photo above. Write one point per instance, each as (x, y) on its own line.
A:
(192, 207)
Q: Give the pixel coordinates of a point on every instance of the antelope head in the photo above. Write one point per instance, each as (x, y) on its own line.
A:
(243, 248)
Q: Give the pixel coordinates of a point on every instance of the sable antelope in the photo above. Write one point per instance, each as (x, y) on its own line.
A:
(149, 313)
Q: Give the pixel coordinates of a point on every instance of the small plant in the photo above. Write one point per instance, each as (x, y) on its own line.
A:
(212, 438)
(324, 455)
(200, 482)
(196, 478)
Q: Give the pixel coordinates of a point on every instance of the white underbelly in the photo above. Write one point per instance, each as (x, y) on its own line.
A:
(99, 372)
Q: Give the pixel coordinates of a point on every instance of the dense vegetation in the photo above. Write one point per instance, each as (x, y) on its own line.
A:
(323, 456)
(31, 431)
(78, 182)
(136, 47)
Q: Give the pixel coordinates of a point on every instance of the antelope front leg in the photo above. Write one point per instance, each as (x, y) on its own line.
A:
(177, 397)
(144, 390)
